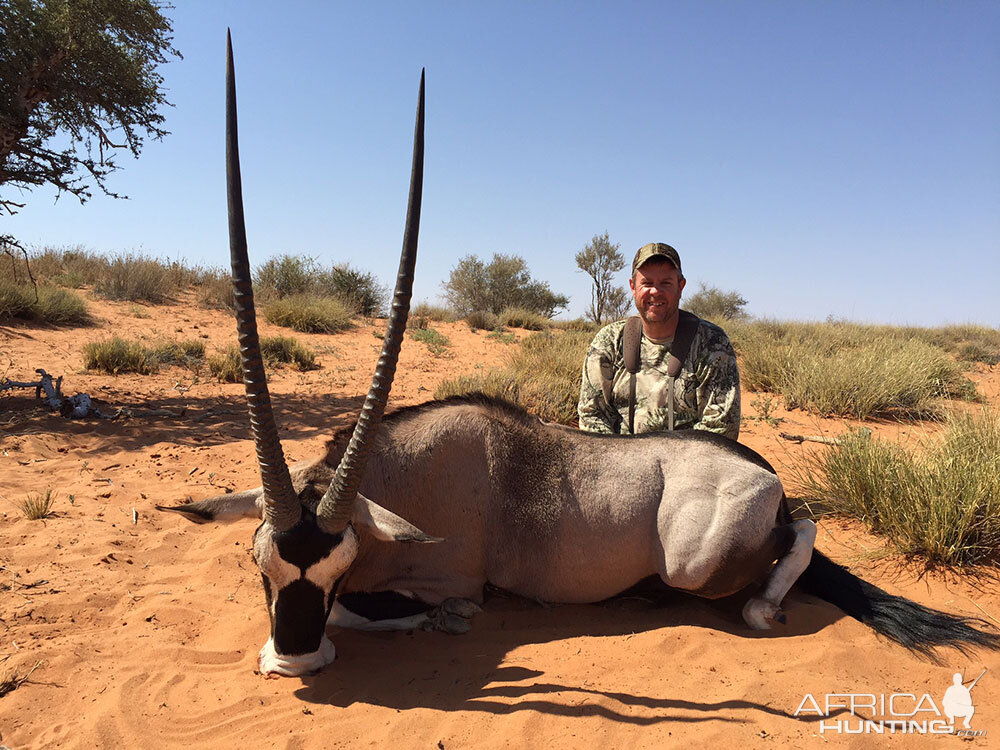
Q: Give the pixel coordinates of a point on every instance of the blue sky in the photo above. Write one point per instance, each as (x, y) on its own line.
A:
(822, 158)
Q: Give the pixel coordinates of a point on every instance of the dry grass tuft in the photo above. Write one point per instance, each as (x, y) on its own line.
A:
(309, 313)
(37, 506)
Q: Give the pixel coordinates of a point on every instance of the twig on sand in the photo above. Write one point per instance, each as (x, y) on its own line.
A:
(13, 682)
(810, 438)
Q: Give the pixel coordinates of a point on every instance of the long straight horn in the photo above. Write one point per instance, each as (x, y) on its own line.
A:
(334, 510)
(281, 506)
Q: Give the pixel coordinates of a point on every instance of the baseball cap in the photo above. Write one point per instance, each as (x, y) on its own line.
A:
(656, 249)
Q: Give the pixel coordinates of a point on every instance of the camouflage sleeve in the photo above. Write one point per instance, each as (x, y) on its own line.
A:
(719, 388)
(594, 411)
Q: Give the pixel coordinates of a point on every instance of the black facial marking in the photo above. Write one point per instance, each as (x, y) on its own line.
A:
(299, 618)
(381, 605)
(305, 543)
(267, 597)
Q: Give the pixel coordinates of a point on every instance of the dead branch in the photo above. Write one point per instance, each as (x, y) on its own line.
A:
(813, 438)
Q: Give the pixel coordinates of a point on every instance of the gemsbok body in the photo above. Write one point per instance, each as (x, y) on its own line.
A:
(540, 510)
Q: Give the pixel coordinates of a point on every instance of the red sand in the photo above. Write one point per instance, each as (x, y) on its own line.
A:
(147, 635)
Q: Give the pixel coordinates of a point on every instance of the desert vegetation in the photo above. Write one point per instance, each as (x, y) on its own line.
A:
(117, 355)
(275, 350)
(938, 498)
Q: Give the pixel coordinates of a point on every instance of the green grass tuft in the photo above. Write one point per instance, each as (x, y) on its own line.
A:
(275, 351)
(518, 317)
(55, 306)
(940, 501)
(308, 313)
(482, 320)
(437, 343)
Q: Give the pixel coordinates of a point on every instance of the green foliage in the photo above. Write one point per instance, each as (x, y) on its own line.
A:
(37, 506)
(503, 282)
(308, 313)
(290, 275)
(601, 260)
(118, 355)
(54, 306)
(78, 81)
(481, 320)
(847, 369)
(60, 307)
(542, 375)
(437, 343)
(711, 303)
(275, 351)
(941, 500)
(503, 337)
(435, 313)
(519, 317)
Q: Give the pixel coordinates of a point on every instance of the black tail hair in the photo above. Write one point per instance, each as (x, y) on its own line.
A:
(911, 625)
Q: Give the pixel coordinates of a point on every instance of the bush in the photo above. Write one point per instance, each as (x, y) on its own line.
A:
(215, 290)
(136, 278)
(117, 355)
(941, 501)
(308, 313)
(55, 306)
(711, 303)
(503, 282)
(577, 324)
(292, 275)
(518, 317)
(60, 307)
(434, 313)
(481, 320)
(274, 350)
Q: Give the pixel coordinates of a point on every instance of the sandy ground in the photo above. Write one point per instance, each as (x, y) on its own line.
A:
(146, 634)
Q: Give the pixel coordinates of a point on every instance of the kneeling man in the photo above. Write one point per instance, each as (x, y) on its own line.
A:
(706, 390)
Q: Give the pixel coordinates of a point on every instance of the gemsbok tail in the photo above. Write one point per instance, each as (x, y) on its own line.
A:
(914, 626)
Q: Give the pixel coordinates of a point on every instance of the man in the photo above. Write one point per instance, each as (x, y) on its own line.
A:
(707, 390)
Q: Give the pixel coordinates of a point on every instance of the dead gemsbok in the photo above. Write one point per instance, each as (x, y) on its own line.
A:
(543, 511)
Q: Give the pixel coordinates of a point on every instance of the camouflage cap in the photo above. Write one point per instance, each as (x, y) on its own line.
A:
(653, 250)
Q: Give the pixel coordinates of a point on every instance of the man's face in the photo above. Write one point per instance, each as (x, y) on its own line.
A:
(656, 288)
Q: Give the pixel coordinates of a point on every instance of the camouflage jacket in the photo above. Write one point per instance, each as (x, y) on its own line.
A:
(706, 393)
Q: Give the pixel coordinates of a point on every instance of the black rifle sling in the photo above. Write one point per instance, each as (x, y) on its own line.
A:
(687, 326)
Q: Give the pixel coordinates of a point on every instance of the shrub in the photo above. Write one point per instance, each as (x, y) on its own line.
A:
(118, 355)
(519, 317)
(16, 300)
(286, 350)
(291, 275)
(37, 506)
(504, 337)
(503, 282)
(481, 320)
(189, 353)
(308, 313)
(434, 313)
(437, 343)
(215, 290)
(713, 304)
(136, 277)
(274, 350)
(577, 324)
(284, 276)
(941, 500)
(60, 307)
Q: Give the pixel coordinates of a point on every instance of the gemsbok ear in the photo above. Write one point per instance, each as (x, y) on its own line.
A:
(384, 524)
(246, 504)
